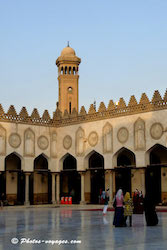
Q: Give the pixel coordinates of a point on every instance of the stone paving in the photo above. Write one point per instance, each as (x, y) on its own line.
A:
(90, 229)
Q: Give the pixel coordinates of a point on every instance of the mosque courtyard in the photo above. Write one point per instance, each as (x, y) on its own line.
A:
(64, 228)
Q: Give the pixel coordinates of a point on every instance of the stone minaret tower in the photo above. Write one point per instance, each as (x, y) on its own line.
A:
(68, 66)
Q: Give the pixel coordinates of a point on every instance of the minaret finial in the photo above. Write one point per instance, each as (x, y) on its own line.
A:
(68, 44)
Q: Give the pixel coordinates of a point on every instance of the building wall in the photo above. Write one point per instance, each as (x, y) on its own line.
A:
(81, 140)
(65, 141)
(128, 122)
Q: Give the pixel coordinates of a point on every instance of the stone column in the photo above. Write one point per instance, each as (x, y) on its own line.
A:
(82, 188)
(109, 183)
(142, 174)
(53, 188)
(27, 202)
(58, 188)
(111, 186)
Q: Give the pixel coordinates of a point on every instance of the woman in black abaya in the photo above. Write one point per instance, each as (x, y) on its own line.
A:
(150, 212)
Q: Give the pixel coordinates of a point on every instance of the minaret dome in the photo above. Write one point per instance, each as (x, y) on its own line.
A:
(68, 77)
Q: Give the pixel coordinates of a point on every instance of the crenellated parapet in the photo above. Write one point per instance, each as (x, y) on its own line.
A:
(24, 117)
(59, 119)
(114, 109)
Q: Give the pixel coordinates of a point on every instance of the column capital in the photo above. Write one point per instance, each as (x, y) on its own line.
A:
(142, 170)
(55, 173)
(82, 172)
(108, 171)
(27, 173)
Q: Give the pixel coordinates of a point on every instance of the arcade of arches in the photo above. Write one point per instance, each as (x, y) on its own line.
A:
(43, 186)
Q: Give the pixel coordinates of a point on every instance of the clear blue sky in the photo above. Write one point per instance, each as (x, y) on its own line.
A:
(122, 44)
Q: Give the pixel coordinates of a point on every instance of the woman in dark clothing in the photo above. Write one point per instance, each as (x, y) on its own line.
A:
(150, 213)
(136, 202)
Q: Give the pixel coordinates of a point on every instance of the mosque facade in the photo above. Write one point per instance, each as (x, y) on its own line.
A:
(78, 153)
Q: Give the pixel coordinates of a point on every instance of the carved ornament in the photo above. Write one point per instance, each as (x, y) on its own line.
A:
(123, 135)
(43, 142)
(156, 131)
(67, 142)
(14, 140)
(93, 139)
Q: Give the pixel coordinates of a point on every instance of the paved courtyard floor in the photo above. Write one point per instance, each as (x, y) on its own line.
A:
(61, 228)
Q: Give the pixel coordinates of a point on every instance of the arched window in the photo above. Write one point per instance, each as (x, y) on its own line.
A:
(40, 162)
(61, 70)
(12, 162)
(96, 160)
(74, 70)
(70, 70)
(65, 70)
(69, 163)
(70, 107)
(125, 157)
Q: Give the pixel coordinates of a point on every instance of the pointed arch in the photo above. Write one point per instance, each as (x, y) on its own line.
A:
(41, 162)
(94, 176)
(13, 161)
(70, 179)
(69, 162)
(156, 158)
(123, 160)
(94, 160)
(15, 182)
(124, 157)
(61, 161)
(157, 154)
(41, 181)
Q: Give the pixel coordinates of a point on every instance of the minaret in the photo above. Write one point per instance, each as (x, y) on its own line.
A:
(68, 66)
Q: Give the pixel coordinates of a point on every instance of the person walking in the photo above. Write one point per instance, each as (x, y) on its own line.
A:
(128, 210)
(103, 195)
(106, 200)
(119, 210)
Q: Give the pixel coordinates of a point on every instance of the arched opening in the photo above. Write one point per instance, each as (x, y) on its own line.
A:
(74, 71)
(14, 179)
(69, 107)
(61, 70)
(70, 70)
(97, 177)
(154, 172)
(40, 182)
(65, 70)
(125, 161)
(70, 180)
